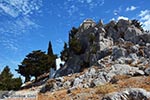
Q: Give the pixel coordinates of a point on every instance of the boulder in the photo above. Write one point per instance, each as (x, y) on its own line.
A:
(147, 51)
(105, 43)
(147, 71)
(118, 52)
(67, 84)
(92, 71)
(134, 48)
(77, 81)
(122, 25)
(132, 34)
(123, 69)
(145, 37)
(60, 79)
(129, 94)
(101, 79)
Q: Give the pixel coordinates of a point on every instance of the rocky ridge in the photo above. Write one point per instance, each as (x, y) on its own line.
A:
(119, 54)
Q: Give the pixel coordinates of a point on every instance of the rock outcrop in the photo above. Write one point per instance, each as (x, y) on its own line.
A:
(123, 41)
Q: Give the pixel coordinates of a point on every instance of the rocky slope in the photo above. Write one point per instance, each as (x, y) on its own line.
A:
(119, 56)
(119, 53)
(114, 65)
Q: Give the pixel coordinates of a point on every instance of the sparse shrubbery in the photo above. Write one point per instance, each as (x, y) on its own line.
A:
(137, 24)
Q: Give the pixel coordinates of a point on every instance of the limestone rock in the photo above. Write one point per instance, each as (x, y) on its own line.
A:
(147, 71)
(120, 69)
(129, 94)
(118, 52)
(146, 37)
(132, 34)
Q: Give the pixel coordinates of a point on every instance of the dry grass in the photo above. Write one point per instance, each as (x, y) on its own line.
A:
(135, 82)
(62, 95)
(107, 88)
(58, 95)
(122, 77)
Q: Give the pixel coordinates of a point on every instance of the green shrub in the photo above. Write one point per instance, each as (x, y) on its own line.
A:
(76, 46)
(91, 38)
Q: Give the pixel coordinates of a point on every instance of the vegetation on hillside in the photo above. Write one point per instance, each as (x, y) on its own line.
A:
(7, 82)
(37, 63)
(65, 53)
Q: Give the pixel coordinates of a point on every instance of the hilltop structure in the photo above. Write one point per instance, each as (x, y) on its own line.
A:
(88, 23)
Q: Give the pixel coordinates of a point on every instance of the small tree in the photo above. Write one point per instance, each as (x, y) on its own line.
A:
(51, 55)
(7, 82)
(65, 53)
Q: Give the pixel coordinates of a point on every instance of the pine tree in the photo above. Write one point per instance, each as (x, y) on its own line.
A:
(65, 53)
(51, 55)
(7, 82)
(50, 51)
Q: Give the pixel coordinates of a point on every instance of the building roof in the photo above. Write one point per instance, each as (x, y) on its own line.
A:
(88, 20)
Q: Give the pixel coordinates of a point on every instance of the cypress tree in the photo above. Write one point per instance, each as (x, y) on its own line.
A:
(50, 51)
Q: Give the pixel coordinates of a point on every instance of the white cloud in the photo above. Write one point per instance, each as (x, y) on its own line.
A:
(122, 17)
(17, 26)
(9, 10)
(16, 19)
(20, 12)
(9, 44)
(132, 8)
(117, 11)
(145, 19)
(74, 6)
(15, 8)
(112, 19)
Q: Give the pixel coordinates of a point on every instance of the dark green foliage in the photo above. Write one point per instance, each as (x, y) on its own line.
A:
(65, 53)
(91, 38)
(76, 46)
(17, 82)
(7, 82)
(94, 49)
(73, 32)
(50, 51)
(36, 64)
(137, 24)
(52, 55)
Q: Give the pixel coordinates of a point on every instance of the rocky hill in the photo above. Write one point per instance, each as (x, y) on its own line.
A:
(103, 62)
(122, 42)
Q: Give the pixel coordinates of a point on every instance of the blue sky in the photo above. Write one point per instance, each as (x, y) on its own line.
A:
(27, 25)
